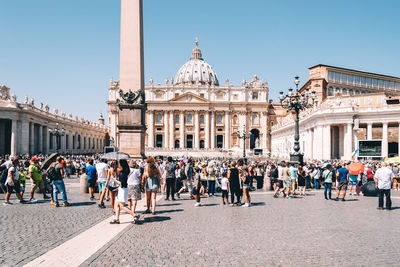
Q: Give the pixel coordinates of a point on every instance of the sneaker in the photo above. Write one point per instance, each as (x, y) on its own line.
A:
(246, 205)
(91, 198)
(379, 208)
(7, 203)
(224, 203)
(46, 197)
(343, 199)
(107, 199)
(66, 204)
(351, 193)
(288, 197)
(23, 201)
(101, 206)
(198, 204)
(32, 200)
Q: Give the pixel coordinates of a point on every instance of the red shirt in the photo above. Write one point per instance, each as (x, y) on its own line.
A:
(369, 174)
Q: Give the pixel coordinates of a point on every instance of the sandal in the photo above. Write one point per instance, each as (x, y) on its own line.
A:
(147, 211)
(114, 222)
(154, 213)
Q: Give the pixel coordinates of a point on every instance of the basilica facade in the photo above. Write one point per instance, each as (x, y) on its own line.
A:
(193, 114)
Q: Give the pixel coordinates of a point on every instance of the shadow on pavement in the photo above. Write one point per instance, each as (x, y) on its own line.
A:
(257, 203)
(168, 205)
(209, 205)
(78, 204)
(153, 219)
(395, 208)
(169, 211)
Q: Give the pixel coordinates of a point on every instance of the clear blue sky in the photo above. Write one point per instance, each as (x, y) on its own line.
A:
(63, 52)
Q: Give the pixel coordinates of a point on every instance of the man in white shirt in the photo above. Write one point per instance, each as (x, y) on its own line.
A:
(101, 169)
(383, 180)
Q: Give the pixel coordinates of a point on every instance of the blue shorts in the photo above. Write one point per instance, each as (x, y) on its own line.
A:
(101, 185)
(196, 192)
(246, 186)
(353, 183)
(151, 184)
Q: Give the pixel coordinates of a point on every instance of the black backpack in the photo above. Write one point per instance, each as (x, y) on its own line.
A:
(183, 175)
(3, 174)
(52, 173)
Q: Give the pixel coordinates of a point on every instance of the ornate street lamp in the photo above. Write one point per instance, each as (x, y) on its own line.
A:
(243, 136)
(58, 133)
(293, 101)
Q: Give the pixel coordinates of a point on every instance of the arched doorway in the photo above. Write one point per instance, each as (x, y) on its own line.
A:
(254, 136)
(177, 143)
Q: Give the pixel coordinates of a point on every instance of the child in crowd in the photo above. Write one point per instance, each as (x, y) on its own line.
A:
(225, 188)
(246, 178)
(196, 187)
(22, 180)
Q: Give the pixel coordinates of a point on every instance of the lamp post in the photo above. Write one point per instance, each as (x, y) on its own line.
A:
(243, 136)
(294, 101)
(58, 133)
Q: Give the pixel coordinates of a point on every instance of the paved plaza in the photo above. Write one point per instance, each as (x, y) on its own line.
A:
(272, 232)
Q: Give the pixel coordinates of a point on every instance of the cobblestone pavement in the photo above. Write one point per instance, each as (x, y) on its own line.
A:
(273, 232)
(29, 230)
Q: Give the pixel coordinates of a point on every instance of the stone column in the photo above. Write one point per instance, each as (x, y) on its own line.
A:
(171, 130)
(385, 148)
(196, 130)
(165, 116)
(355, 141)
(14, 137)
(40, 139)
(318, 142)
(327, 144)
(398, 133)
(207, 130)
(227, 129)
(307, 153)
(31, 138)
(264, 127)
(150, 140)
(182, 130)
(312, 145)
(348, 142)
(212, 130)
(369, 131)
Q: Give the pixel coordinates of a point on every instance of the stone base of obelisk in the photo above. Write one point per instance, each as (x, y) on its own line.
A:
(131, 130)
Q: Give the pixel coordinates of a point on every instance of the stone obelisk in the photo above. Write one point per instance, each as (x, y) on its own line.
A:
(131, 117)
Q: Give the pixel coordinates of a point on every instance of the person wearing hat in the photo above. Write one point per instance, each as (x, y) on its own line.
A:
(36, 179)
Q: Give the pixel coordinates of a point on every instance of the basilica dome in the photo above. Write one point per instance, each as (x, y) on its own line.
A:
(196, 71)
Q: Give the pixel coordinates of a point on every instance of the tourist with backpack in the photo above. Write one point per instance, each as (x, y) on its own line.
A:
(12, 183)
(55, 172)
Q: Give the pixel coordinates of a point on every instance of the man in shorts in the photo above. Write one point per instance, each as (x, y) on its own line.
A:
(36, 179)
(101, 169)
(343, 177)
(134, 191)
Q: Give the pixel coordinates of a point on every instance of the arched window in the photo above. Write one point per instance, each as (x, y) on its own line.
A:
(357, 92)
(189, 118)
(254, 119)
(176, 119)
(158, 118)
(330, 91)
(201, 119)
(337, 90)
(201, 143)
(219, 118)
(344, 91)
(351, 92)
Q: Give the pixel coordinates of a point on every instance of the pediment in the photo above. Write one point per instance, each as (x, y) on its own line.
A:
(189, 98)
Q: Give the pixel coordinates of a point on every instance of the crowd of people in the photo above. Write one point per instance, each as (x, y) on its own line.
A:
(122, 182)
